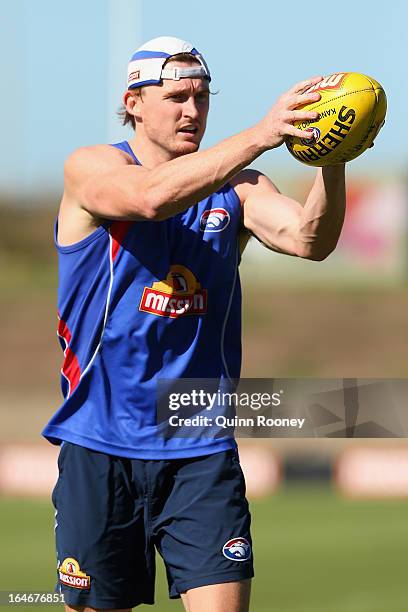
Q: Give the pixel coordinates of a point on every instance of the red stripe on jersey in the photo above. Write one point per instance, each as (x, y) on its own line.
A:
(70, 368)
(118, 231)
(63, 330)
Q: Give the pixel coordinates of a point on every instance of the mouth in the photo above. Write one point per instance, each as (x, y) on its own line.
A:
(191, 130)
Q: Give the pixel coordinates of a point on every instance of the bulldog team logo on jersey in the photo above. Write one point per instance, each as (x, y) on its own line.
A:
(237, 549)
(179, 294)
(70, 574)
(214, 220)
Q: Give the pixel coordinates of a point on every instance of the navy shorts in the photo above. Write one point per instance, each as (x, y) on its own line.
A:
(113, 512)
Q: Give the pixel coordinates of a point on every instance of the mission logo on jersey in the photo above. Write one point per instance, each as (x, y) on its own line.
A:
(214, 220)
(179, 294)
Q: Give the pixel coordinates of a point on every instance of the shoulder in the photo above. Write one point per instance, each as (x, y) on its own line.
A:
(249, 181)
(103, 156)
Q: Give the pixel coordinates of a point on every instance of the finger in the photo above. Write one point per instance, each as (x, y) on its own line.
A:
(301, 99)
(292, 131)
(302, 85)
(299, 115)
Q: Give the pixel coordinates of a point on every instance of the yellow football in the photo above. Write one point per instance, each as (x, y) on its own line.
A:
(351, 113)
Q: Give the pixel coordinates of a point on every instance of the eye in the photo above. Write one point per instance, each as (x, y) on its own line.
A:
(202, 97)
(178, 98)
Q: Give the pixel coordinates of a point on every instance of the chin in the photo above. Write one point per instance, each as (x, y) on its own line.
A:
(183, 148)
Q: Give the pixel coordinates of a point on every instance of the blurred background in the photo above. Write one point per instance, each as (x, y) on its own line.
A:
(329, 515)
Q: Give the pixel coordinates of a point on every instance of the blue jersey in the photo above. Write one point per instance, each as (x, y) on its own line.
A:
(141, 301)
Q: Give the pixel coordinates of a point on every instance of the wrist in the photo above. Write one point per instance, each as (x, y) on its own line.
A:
(257, 135)
(335, 169)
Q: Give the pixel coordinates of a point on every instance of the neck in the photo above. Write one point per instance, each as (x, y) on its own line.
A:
(148, 153)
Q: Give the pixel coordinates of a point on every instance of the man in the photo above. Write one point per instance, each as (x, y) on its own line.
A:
(150, 234)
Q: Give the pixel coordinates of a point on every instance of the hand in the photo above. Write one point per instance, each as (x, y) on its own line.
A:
(278, 123)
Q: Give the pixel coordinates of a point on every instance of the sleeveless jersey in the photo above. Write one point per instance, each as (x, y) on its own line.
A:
(141, 301)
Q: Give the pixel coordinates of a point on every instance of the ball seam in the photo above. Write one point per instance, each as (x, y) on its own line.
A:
(349, 93)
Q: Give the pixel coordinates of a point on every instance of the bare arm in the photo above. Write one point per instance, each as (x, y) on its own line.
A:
(284, 225)
(110, 187)
(103, 181)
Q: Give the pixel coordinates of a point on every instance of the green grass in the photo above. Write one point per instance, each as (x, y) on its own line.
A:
(317, 552)
(314, 552)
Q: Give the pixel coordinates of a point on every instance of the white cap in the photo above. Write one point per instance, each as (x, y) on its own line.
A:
(146, 64)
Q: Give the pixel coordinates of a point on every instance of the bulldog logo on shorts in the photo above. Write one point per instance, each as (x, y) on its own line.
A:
(237, 549)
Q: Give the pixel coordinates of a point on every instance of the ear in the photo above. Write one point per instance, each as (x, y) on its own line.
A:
(132, 100)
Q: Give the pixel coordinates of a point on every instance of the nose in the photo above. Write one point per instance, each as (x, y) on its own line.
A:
(190, 108)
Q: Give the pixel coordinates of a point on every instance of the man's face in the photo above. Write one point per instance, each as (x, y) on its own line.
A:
(174, 114)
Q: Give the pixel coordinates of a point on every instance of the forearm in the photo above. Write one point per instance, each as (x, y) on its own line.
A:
(322, 217)
(177, 184)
